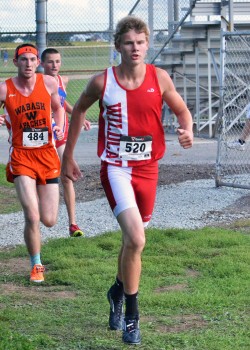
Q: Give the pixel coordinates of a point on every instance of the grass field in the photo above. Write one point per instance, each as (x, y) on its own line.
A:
(8, 198)
(74, 90)
(81, 60)
(84, 56)
(194, 293)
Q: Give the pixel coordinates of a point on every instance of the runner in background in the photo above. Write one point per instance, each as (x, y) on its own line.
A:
(240, 144)
(5, 58)
(51, 62)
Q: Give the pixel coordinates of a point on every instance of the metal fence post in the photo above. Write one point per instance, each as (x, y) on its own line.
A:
(41, 12)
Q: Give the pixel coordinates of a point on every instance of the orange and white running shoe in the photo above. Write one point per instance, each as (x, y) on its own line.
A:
(36, 274)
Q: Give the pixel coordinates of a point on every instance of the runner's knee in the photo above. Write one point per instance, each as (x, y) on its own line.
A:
(135, 242)
(49, 221)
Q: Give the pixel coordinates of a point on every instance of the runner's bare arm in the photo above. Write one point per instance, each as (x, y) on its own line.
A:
(3, 92)
(2, 116)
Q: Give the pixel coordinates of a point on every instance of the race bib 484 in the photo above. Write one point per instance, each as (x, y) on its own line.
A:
(35, 137)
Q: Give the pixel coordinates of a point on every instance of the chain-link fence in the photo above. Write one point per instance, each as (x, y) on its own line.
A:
(83, 33)
(233, 162)
(82, 30)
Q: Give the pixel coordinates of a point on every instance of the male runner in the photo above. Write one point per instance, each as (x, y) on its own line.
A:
(34, 165)
(51, 62)
(130, 143)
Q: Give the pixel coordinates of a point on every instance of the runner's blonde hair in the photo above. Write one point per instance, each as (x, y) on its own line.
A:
(130, 23)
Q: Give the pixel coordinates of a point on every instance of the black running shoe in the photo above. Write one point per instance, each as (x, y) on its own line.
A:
(116, 312)
(131, 332)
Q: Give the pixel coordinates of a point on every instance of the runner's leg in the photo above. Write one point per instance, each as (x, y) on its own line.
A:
(27, 194)
(68, 191)
(48, 203)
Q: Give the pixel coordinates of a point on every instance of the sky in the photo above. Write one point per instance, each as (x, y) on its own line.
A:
(73, 15)
(78, 15)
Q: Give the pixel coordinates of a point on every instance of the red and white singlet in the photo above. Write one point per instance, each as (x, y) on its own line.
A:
(131, 140)
(130, 127)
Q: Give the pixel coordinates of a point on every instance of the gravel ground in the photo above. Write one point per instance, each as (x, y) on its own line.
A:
(186, 198)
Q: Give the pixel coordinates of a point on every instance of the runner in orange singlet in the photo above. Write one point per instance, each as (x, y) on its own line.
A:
(130, 143)
(34, 165)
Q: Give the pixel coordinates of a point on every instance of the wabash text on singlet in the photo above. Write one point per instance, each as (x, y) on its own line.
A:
(29, 118)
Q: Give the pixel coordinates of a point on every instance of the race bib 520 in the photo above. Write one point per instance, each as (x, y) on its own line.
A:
(135, 147)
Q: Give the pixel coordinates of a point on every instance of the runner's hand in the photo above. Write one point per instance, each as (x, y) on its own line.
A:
(185, 138)
(86, 125)
(2, 119)
(59, 132)
(70, 169)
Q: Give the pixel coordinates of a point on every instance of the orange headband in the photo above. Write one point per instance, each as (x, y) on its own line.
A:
(26, 49)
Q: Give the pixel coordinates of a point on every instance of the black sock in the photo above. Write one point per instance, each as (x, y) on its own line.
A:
(131, 311)
(117, 289)
(241, 141)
